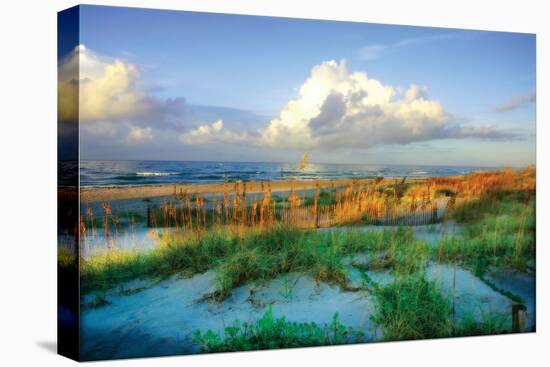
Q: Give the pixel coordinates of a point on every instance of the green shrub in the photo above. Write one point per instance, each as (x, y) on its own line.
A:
(412, 307)
(274, 333)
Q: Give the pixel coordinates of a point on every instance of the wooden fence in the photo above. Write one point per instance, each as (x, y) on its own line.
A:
(308, 216)
(328, 216)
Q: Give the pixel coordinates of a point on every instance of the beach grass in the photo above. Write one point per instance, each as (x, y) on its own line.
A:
(412, 307)
(499, 229)
(496, 212)
(270, 332)
(243, 254)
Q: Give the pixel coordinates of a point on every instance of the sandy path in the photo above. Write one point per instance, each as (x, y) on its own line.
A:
(162, 320)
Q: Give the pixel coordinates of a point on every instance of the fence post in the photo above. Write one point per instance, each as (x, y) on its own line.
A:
(519, 318)
(316, 215)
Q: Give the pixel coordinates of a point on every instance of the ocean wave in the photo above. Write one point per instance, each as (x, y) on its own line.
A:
(148, 174)
(105, 173)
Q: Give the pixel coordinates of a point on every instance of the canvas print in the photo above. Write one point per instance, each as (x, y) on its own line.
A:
(233, 183)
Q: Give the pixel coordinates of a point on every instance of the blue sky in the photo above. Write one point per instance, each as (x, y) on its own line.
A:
(183, 72)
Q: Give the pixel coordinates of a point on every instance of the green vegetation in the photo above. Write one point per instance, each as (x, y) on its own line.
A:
(66, 259)
(409, 308)
(187, 255)
(279, 200)
(499, 229)
(326, 198)
(282, 250)
(245, 254)
(160, 216)
(274, 333)
(412, 307)
(488, 325)
(405, 256)
(135, 217)
(399, 188)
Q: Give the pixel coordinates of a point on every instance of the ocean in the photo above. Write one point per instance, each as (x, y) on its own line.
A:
(134, 173)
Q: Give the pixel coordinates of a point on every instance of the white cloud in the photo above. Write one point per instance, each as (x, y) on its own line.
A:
(107, 90)
(212, 134)
(138, 135)
(337, 108)
(325, 98)
(416, 92)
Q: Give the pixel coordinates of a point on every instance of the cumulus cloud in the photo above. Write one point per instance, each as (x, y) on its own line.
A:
(337, 108)
(107, 90)
(517, 102)
(214, 134)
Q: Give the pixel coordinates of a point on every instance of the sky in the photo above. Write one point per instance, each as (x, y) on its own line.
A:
(172, 85)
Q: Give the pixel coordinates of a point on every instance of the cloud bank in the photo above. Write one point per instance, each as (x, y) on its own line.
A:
(335, 109)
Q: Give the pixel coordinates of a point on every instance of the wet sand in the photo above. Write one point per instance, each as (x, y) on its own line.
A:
(94, 194)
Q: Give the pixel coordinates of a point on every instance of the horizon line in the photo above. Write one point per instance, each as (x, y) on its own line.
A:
(313, 162)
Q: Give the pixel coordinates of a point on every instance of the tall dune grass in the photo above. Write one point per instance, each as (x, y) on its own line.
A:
(499, 229)
(246, 239)
(242, 255)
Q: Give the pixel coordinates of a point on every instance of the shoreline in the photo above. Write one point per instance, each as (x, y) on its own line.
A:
(96, 194)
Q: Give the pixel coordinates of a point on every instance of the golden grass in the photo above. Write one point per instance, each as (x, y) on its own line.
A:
(372, 201)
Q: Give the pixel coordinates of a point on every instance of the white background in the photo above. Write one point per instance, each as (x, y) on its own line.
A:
(28, 182)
